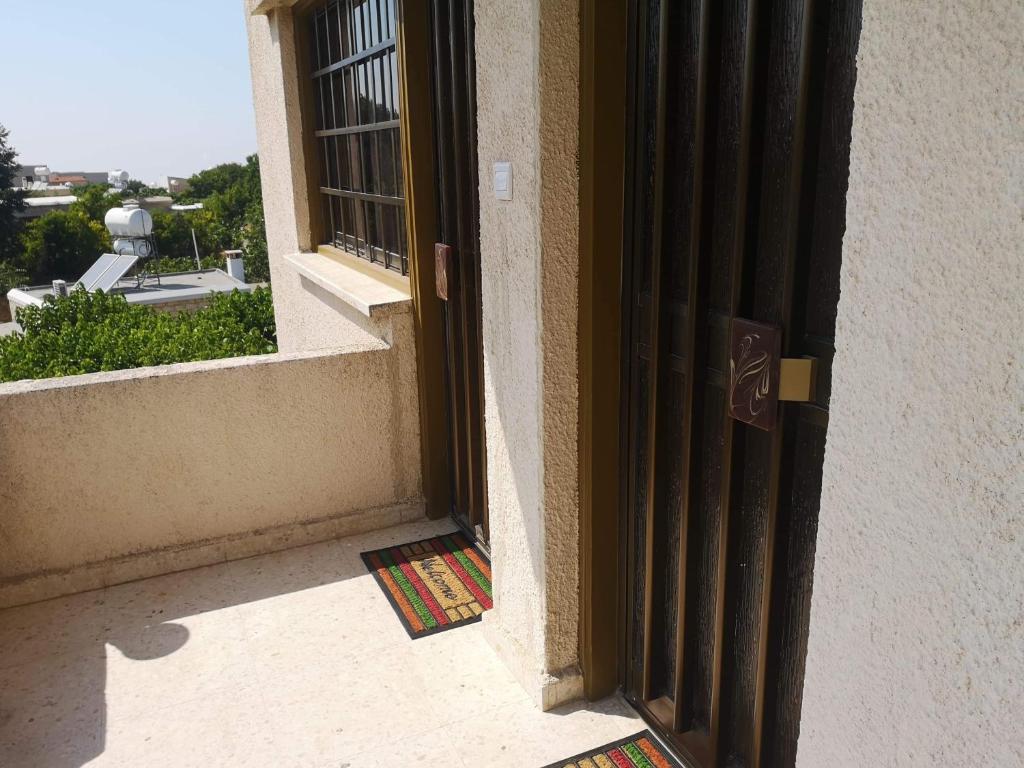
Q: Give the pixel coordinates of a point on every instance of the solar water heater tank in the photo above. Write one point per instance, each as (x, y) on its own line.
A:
(129, 222)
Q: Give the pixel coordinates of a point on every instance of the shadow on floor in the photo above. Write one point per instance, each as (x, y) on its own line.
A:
(54, 654)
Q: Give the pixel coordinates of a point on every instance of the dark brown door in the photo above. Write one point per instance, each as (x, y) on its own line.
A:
(737, 164)
(458, 226)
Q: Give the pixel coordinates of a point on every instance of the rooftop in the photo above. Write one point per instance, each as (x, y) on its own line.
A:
(49, 201)
(289, 659)
(171, 287)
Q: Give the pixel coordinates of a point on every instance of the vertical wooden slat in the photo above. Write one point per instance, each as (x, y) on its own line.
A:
(476, 328)
(447, 226)
(692, 138)
(740, 23)
(637, 87)
(773, 299)
(823, 193)
(656, 342)
(465, 257)
(471, 245)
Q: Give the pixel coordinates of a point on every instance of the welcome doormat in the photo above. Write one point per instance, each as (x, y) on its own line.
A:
(434, 584)
(638, 751)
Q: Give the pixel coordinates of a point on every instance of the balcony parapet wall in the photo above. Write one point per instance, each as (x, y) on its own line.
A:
(110, 477)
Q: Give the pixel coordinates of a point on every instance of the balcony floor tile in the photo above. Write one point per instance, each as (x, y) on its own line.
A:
(289, 659)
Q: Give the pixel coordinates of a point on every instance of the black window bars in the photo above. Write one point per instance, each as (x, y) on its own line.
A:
(355, 88)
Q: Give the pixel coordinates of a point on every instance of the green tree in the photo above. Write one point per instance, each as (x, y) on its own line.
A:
(232, 216)
(12, 201)
(218, 179)
(61, 244)
(254, 227)
(136, 188)
(87, 332)
(10, 277)
(95, 200)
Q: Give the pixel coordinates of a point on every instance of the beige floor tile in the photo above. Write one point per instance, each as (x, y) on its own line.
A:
(54, 627)
(514, 735)
(291, 659)
(439, 747)
(52, 710)
(219, 729)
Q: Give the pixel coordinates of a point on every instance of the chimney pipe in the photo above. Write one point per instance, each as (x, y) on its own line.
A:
(235, 265)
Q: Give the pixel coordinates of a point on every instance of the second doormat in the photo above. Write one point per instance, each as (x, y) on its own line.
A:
(637, 751)
(434, 584)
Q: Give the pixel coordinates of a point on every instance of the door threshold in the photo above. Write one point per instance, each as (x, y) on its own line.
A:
(474, 535)
(653, 714)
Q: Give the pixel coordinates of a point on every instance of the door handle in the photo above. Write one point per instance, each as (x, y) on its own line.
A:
(797, 379)
(759, 377)
(443, 270)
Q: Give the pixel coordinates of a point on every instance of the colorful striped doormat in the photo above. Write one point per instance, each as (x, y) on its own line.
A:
(434, 584)
(638, 751)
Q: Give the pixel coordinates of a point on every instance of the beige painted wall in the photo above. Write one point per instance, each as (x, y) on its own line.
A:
(308, 318)
(916, 650)
(529, 305)
(112, 476)
(528, 66)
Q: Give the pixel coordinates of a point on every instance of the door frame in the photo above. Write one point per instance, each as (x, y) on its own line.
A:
(415, 63)
(602, 136)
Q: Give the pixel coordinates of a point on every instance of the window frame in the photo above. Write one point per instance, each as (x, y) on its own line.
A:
(370, 211)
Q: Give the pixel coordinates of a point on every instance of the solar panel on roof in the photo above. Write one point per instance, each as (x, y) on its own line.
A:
(108, 269)
(101, 265)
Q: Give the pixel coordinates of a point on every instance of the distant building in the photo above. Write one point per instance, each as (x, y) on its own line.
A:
(38, 206)
(154, 203)
(40, 177)
(118, 180)
(68, 180)
(32, 177)
(176, 185)
(79, 178)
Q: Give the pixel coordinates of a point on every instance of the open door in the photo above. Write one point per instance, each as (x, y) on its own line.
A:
(737, 164)
(457, 256)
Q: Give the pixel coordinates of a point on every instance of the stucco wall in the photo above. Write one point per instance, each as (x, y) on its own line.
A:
(916, 652)
(112, 476)
(307, 317)
(528, 66)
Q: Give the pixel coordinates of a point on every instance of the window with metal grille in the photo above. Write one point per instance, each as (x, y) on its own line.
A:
(355, 91)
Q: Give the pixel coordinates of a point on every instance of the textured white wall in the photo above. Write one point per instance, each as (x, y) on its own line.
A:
(527, 67)
(916, 652)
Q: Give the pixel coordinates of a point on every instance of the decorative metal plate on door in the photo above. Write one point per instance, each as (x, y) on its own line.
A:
(754, 354)
(442, 269)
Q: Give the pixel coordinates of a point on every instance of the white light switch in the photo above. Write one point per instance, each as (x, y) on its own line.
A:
(503, 181)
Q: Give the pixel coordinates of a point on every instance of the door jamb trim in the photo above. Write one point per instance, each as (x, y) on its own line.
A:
(603, 53)
(417, 137)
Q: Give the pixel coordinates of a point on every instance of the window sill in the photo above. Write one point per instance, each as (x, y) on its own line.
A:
(366, 293)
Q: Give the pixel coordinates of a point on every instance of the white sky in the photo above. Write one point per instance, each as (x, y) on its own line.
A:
(155, 87)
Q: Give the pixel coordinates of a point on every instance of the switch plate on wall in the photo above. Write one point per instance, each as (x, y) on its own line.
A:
(503, 181)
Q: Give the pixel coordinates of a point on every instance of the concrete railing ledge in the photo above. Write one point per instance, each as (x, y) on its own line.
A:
(25, 386)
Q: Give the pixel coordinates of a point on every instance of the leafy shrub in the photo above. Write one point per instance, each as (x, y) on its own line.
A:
(88, 332)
